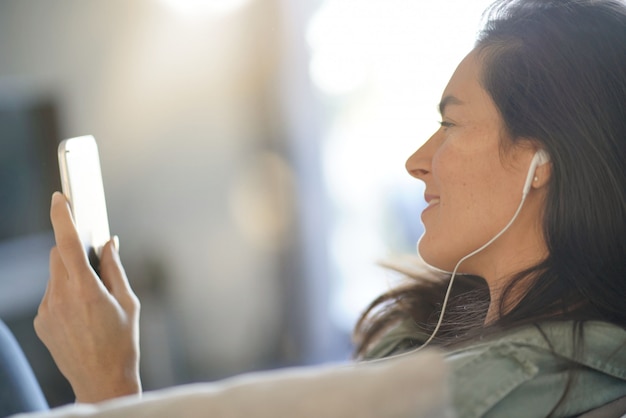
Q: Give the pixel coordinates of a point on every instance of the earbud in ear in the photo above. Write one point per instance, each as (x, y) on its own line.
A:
(540, 157)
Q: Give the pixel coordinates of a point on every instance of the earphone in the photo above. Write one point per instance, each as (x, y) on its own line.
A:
(541, 157)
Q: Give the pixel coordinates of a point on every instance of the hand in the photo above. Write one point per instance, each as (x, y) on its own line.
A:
(90, 325)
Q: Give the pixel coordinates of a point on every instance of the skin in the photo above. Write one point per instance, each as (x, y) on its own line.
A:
(89, 325)
(474, 186)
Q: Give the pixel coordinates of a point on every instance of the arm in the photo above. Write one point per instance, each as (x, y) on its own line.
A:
(90, 325)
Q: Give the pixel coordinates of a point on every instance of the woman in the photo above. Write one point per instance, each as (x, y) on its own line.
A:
(526, 187)
(549, 293)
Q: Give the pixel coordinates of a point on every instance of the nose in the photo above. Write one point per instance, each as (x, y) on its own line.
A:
(419, 163)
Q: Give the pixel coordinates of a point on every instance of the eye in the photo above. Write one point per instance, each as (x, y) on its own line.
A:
(445, 125)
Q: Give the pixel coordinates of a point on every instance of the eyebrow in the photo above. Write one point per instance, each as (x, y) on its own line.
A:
(448, 100)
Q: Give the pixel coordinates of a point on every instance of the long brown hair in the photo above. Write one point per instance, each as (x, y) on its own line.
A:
(556, 71)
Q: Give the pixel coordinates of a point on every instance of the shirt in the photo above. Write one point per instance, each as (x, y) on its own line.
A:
(525, 372)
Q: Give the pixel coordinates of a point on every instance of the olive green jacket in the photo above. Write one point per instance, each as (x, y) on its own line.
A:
(524, 372)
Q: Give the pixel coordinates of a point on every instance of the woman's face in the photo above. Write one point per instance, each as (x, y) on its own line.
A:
(474, 180)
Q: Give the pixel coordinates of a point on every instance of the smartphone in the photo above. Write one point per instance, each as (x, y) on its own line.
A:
(81, 182)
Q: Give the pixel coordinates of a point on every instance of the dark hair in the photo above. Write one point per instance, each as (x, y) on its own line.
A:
(556, 71)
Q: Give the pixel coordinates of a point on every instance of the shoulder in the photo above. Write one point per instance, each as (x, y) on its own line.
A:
(405, 336)
(498, 375)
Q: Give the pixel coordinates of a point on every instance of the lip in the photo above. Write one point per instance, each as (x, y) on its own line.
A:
(432, 200)
(428, 197)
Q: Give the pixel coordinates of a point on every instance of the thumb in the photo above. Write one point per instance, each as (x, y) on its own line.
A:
(112, 272)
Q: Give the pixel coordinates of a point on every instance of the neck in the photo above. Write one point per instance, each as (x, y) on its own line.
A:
(515, 251)
(503, 300)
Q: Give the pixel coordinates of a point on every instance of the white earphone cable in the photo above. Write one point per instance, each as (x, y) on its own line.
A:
(454, 272)
(540, 157)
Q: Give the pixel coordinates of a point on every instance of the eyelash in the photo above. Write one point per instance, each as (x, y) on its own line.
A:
(445, 124)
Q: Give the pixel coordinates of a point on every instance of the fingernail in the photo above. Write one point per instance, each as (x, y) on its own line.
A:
(58, 196)
(116, 243)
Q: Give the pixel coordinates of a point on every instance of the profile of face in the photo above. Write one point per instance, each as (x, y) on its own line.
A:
(474, 178)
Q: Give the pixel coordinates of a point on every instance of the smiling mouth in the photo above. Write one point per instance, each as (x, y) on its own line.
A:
(431, 200)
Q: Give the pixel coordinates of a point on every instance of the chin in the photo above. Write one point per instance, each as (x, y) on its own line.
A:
(429, 256)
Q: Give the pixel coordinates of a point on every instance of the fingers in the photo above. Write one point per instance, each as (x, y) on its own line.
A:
(57, 268)
(70, 261)
(70, 248)
(58, 273)
(113, 275)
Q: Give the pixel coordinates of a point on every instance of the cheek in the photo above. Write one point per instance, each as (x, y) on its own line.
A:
(459, 179)
(471, 206)
(444, 224)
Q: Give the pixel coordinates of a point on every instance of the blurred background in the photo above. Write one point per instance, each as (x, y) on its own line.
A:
(253, 158)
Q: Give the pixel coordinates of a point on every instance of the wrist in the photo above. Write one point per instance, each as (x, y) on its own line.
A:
(126, 385)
